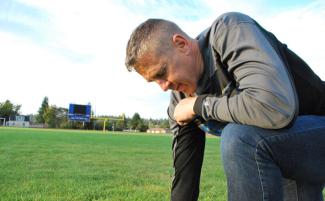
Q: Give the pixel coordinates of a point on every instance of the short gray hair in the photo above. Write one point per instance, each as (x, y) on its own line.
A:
(152, 32)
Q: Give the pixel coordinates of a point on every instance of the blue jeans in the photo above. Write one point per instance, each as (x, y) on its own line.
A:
(275, 165)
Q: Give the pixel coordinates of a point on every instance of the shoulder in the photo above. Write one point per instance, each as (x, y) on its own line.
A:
(233, 18)
(225, 21)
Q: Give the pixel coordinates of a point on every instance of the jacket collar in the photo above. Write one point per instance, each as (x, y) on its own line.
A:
(204, 82)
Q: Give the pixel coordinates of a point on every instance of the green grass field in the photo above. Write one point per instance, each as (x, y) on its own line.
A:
(38, 164)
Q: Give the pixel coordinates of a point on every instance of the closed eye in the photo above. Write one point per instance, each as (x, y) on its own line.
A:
(161, 74)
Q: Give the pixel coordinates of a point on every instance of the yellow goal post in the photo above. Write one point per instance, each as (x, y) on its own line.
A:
(105, 119)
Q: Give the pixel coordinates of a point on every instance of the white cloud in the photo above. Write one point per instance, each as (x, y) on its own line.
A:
(303, 30)
(83, 29)
(82, 57)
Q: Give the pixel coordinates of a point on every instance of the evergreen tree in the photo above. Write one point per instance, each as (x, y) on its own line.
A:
(40, 118)
(135, 121)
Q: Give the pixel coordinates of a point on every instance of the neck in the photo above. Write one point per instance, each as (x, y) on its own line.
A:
(198, 60)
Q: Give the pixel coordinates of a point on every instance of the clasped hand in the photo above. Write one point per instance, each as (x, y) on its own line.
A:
(184, 112)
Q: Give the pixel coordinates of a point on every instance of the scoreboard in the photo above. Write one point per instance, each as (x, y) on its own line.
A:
(79, 112)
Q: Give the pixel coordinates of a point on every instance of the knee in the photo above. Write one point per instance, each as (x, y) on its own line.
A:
(238, 142)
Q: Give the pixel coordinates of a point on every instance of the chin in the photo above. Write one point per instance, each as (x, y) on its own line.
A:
(189, 92)
(186, 89)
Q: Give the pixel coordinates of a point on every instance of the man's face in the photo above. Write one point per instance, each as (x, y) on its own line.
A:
(173, 70)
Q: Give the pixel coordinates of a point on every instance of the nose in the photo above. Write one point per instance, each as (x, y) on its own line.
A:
(164, 84)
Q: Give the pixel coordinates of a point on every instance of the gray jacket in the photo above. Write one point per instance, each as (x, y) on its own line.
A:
(261, 92)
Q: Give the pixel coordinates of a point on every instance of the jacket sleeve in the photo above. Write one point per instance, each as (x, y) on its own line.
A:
(266, 95)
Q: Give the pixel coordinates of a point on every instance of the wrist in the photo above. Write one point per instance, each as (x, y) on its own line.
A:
(197, 107)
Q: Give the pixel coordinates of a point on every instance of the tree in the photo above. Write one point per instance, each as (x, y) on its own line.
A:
(138, 123)
(135, 121)
(119, 125)
(164, 123)
(41, 112)
(8, 109)
(56, 117)
(49, 116)
(158, 123)
(142, 127)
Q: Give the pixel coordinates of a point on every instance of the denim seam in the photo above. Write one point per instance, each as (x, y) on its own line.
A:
(258, 169)
(272, 138)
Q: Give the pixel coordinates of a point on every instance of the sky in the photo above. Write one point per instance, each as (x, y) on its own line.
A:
(73, 51)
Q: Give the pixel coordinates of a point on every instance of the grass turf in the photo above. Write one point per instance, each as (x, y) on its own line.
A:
(38, 164)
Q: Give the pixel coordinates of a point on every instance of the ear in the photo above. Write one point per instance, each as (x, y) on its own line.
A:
(181, 43)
